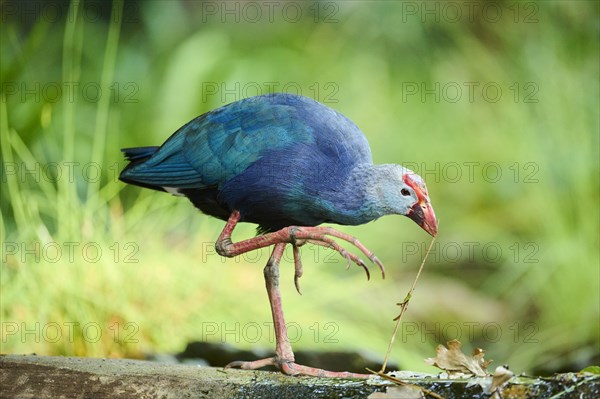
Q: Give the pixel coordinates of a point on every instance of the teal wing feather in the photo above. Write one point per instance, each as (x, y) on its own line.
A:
(221, 144)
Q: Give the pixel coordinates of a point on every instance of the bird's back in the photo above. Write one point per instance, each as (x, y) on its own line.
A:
(276, 158)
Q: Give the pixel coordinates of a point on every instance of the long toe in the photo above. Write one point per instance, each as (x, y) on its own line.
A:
(291, 368)
(256, 364)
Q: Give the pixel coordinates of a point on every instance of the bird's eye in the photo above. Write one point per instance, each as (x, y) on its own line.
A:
(405, 192)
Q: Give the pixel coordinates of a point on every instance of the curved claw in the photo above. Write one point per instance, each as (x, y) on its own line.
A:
(364, 266)
(297, 284)
(376, 260)
(346, 255)
(297, 267)
(234, 364)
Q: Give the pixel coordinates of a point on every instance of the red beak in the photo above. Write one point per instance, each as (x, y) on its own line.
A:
(423, 215)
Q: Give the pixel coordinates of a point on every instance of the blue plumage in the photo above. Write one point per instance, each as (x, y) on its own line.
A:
(279, 159)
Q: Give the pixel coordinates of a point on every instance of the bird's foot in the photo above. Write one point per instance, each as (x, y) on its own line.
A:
(322, 236)
(288, 367)
(297, 236)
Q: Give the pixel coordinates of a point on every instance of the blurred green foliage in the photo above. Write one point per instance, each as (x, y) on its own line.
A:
(496, 106)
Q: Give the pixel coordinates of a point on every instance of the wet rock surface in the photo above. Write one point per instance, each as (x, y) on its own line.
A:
(30, 376)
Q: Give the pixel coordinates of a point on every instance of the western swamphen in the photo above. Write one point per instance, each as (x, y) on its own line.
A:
(287, 163)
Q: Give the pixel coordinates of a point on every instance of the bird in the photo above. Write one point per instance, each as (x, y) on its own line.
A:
(288, 164)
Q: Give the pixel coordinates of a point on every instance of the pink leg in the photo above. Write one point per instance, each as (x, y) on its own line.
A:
(292, 235)
(284, 356)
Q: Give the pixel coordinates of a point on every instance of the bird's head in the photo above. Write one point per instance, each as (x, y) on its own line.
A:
(403, 192)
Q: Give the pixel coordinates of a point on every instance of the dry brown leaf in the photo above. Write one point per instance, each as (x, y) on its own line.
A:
(456, 363)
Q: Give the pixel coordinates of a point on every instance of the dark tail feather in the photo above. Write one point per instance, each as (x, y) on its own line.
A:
(156, 167)
(135, 156)
(139, 153)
